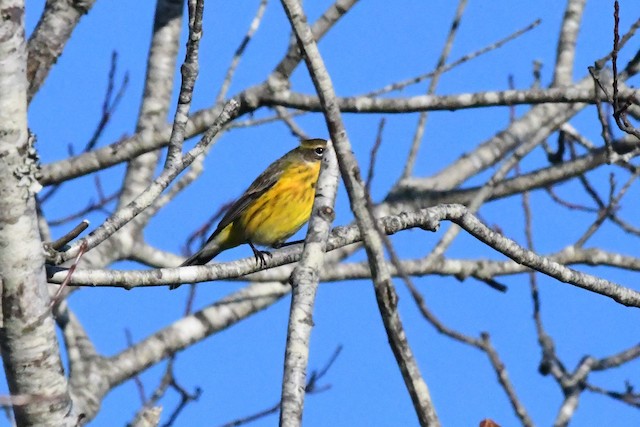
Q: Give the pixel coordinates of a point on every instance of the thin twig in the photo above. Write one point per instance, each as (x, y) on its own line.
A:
(602, 115)
(287, 119)
(569, 205)
(433, 84)
(185, 396)
(136, 378)
(110, 103)
(397, 86)
(56, 298)
(619, 108)
(374, 152)
(75, 232)
(311, 388)
(466, 58)
(109, 106)
(92, 206)
(253, 27)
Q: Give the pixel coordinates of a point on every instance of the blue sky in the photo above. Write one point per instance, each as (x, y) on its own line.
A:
(239, 370)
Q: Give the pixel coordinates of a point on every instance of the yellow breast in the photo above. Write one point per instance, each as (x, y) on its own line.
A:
(284, 208)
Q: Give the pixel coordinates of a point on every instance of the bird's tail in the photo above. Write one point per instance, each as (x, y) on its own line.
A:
(203, 256)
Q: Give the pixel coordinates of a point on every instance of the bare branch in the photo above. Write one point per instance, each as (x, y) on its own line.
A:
(304, 282)
(427, 219)
(54, 29)
(565, 51)
(385, 293)
(125, 214)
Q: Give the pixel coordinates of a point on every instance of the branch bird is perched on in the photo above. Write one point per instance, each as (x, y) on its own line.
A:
(274, 207)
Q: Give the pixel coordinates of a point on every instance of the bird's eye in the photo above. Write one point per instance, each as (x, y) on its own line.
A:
(319, 151)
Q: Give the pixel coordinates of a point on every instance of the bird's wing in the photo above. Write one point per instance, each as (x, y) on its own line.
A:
(262, 183)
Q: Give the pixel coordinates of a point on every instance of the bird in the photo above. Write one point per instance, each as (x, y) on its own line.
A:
(274, 207)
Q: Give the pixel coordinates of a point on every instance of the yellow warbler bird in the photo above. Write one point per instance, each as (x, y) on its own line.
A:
(276, 205)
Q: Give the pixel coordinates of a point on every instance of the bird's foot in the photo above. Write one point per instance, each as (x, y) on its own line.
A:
(260, 255)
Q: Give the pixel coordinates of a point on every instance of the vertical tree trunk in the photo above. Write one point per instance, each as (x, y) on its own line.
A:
(28, 341)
